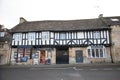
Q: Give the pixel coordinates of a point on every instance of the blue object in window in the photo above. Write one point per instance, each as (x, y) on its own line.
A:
(24, 59)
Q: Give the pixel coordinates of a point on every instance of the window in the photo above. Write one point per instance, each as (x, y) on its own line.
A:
(101, 53)
(69, 35)
(2, 34)
(1, 45)
(23, 54)
(17, 36)
(62, 36)
(89, 53)
(93, 53)
(45, 36)
(96, 51)
(31, 36)
(96, 34)
(73, 35)
(56, 35)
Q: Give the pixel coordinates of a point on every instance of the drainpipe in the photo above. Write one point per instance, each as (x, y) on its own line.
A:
(10, 46)
(111, 44)
(110, 40)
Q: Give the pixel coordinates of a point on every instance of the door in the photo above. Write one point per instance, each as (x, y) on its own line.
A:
(42, 56)
(79, 56)
(62, 56)
(1, 59)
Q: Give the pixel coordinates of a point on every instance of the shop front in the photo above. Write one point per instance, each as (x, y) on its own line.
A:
(32, 56)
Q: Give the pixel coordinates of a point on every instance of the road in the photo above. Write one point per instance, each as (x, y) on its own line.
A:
(65, 73)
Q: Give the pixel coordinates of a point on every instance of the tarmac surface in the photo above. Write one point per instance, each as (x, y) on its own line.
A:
(61, 72)
(60, 65)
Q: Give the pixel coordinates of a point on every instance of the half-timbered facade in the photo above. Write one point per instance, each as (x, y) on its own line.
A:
(61, 42)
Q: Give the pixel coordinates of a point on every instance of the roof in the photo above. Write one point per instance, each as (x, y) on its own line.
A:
(112, 20)
(65, 25)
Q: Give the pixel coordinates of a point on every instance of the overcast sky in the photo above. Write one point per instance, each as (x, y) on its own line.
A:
(34, 10)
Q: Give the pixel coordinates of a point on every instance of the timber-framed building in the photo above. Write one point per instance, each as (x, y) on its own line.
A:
(62, 41)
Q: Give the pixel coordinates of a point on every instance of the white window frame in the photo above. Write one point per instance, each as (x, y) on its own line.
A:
(62, 35)
(17, 36)
(45, 35)
(99, 54)
(31, 36)
(96, 34)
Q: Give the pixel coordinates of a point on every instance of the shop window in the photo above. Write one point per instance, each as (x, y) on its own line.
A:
(23, 54)
(96, 51)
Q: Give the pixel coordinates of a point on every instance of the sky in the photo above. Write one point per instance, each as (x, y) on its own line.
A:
(37, 10)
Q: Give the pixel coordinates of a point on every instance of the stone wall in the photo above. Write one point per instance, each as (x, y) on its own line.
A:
(115, 37)
(86, 59)
(5, 54)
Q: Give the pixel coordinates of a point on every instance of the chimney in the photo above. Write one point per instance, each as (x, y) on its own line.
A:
(22, 20)
(100, 16)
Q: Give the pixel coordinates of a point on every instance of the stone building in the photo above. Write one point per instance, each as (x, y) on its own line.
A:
(4, 46)
(115, 39)
(66, 41)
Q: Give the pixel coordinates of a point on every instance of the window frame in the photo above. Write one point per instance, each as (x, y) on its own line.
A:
(96, 49)
(2, 34)
(62, 35)
(31, 36)
(96, 34)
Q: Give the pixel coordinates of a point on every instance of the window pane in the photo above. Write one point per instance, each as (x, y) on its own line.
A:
(73, 35)
(56, 35)
(31, 36)
(2, 34)
(62, 35)
(96, 34)
(89, 53)
(23, 35)
(69, 35)
(101, 52)
(45, 35)
(93, 53)
(97, 53)
(18, 36)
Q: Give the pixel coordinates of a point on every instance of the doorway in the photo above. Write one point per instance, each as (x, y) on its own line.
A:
(79, 56)
(62, 56)
(42, 56)
(1, 59)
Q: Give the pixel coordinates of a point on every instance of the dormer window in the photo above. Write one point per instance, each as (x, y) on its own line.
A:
(114, 19)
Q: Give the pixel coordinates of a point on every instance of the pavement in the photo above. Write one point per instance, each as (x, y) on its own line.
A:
(61, 65)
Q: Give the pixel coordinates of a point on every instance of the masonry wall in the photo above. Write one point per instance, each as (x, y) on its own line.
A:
(115, 37)
(86, 59)
(5, 54)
